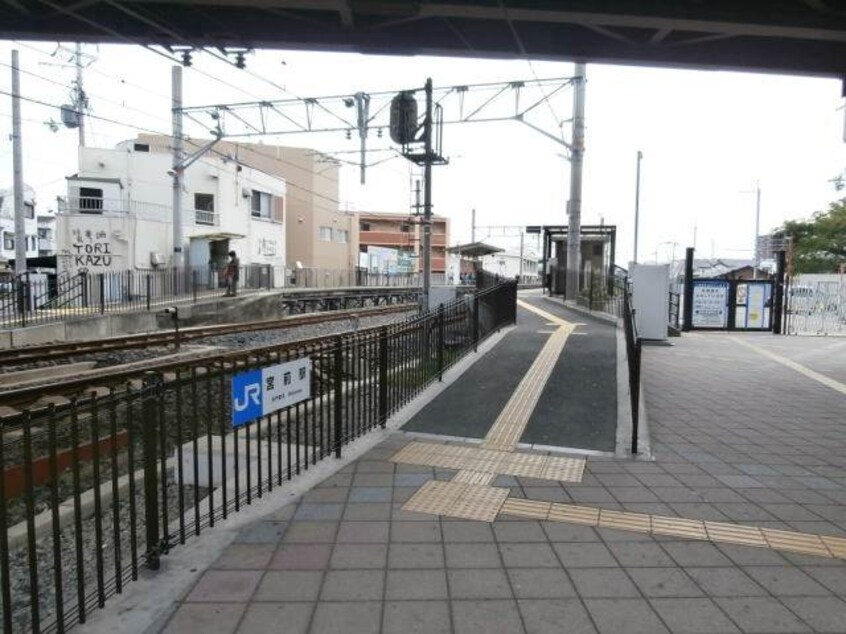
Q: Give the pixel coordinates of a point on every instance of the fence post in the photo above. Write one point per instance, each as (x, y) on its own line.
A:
(475, 322)
(149, 289)
(194, 284)
(85, 298)
(441, 342)
(383, 377)
(21, 300)
(149, 437)
(102, 284)
(635, 387)
(339, 394)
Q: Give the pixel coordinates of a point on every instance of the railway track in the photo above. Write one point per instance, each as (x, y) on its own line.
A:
(53, 351)
(98, 383)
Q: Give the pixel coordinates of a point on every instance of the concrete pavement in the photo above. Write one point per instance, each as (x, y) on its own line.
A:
(749, 450)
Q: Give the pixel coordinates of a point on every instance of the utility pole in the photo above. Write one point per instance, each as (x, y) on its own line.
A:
(472, 226)
(81, 99)
(178, 167)
(521, 258)
(574, 208)
(17, 168)
(757, 227)
(427, 197)
(637, 205)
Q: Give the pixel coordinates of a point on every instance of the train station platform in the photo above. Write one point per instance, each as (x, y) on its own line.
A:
(496, 502)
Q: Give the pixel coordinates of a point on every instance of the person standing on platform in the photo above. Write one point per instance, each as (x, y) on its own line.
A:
(233, 270)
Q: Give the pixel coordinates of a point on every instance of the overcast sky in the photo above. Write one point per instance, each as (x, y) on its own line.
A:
(706, 138)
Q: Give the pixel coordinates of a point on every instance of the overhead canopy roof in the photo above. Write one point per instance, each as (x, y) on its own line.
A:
(803, 36)
(475, 249)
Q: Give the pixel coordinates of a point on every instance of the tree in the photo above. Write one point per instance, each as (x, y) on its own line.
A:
(819, 244)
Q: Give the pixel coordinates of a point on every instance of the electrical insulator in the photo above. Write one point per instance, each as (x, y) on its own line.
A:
(403, 118)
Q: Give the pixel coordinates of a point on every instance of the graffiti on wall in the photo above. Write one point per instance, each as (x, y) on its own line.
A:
(90, 248)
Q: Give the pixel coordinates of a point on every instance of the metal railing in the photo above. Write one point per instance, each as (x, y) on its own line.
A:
(205, 217)
(604, 294)
(32, 299)
(101, 205)
(633, 355)
(99, 487)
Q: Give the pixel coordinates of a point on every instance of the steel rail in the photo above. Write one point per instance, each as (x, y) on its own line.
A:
(49, 352)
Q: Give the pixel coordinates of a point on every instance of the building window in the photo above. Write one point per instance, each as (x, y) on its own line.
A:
(405, 228)
(90, 200)
(141, 147)
(204, 209)
(341, 235)
(44, 233)
(364, 226)
(261, 204)
(9, 241)
(29, 210)
(325, 234)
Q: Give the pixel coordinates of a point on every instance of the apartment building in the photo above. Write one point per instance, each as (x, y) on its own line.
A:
(403, 233)
(118, 214)
(318, 233)
(7, 224)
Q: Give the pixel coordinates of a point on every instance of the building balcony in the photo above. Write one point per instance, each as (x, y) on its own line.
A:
(393, 239)
(97, 205)
(207, 218)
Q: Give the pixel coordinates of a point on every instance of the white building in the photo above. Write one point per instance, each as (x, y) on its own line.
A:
(7, 224)
(119, 216)
(507, 264)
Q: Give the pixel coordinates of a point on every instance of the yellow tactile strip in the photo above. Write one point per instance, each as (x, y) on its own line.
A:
(465, 457)
(720, 532)
(458, 499)
(512, 420)
(474, 477)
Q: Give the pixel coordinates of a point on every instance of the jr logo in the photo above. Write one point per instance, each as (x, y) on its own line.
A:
(251, 393)
(246, 397)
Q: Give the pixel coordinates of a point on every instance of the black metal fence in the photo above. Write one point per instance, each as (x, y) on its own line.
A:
(33, 298)
(605, 294)
(633, 353)
(100, 486)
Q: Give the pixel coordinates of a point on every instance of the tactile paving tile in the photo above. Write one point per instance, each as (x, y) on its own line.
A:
(621, 520)
(458, 499)
(574, 514)
(474, 477)
(679, 527)
(435, 497)
(535, 509)
(791, 541)
(488, 460)
(835, 545)
(563, 469)
(735, 534)
(481, 503)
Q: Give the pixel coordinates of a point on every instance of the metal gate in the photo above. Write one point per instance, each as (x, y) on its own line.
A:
(817, 308)
(719, 304)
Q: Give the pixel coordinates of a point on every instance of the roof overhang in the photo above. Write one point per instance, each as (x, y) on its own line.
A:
(475, 249)
(788, 36)
(217, 235)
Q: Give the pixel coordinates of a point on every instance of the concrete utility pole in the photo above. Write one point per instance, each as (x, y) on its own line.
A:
(472, 226)
(521, 257)
(176, 91)
(574, 207)
(637, 205)
(427, 197)
(757, 227)
(80, 95)
(17, 168)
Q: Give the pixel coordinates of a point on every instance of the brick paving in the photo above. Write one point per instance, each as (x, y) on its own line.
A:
(737, 437)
